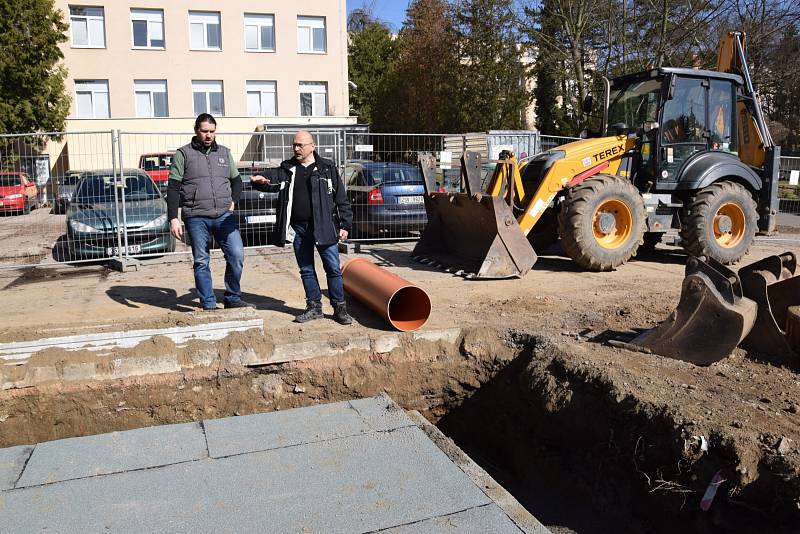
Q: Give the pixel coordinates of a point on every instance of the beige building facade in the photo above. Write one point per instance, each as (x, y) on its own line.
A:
(152, 66)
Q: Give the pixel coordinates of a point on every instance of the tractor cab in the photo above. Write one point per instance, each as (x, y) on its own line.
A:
(677, 114)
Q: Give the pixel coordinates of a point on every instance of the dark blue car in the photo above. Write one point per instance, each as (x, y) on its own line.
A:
(387, 199)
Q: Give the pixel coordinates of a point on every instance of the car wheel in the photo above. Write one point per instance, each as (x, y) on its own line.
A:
(26, 208)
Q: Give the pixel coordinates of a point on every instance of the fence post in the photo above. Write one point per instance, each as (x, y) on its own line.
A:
(115, 169)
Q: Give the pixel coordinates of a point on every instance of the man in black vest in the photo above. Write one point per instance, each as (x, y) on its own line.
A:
(315, 213)
(204, 182)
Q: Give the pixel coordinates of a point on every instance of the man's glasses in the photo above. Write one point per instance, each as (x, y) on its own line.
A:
(300, 145)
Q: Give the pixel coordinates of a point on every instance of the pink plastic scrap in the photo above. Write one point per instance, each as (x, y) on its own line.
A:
(711, 491)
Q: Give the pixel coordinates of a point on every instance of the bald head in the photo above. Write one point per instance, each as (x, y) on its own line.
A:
(303, 147)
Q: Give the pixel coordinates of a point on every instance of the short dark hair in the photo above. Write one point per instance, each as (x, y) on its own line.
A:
(204, 117)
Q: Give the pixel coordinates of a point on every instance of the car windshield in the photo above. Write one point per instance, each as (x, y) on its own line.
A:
(7, 180)
(100, 188)
(157, 162)
(70, 179)
(392, 175)
(634, 103)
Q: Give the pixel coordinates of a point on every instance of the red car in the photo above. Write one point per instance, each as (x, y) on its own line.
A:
(17, 192)
(157, 166)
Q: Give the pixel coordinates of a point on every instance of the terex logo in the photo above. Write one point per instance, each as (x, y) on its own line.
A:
(608, 153)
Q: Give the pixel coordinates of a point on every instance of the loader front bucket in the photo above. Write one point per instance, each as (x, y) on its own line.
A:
(711, 319)
(774, 285)
(473, 235)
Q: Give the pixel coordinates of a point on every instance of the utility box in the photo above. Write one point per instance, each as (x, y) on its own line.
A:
(489, 144)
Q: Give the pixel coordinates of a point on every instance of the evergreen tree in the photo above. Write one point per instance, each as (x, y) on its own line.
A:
(420, 91)
(370, 54)
(31, 79)
(493, 76)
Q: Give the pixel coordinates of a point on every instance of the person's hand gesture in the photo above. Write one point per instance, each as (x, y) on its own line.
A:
(258, 179)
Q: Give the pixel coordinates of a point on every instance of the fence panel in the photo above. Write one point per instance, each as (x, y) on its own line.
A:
(384, 184)
(35, 225)
(789, 188)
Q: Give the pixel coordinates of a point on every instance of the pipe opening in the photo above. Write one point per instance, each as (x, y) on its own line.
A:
(409, 308)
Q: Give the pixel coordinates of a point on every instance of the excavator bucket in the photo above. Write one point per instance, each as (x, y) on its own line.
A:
(711, 319)
(773, 283)
(471, 234)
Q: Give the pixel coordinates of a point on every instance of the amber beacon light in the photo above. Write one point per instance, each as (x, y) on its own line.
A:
(404, 305)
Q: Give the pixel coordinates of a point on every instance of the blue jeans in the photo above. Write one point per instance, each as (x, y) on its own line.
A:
(304, 254)
(226, 231)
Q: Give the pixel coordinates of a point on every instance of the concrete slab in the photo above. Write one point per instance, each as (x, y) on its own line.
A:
(381, 413)
(355, 478)
(89, 456)
(12, 460)
(261, 432)
(480, 520)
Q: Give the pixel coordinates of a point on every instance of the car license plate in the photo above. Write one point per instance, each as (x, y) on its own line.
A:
(255, 219)
(417, 199)
(130, 249)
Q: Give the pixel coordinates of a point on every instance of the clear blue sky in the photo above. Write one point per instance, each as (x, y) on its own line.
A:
(391, 11)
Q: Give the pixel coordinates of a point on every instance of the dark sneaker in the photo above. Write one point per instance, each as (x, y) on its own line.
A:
(313, 311)
(340, 314)
(209, 308)
(238, 304)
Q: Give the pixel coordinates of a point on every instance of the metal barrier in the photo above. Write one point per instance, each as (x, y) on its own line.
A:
(119, 209)
(789, 186)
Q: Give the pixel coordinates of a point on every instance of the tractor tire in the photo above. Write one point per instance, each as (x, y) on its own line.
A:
(720, 222)
(602, 222)
(545, 233)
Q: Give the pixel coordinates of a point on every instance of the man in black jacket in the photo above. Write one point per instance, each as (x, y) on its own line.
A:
(314, 212)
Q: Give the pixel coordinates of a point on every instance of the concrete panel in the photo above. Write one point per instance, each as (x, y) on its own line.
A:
(66, 459)
(12, 460)
(260, 432)
(479, 520)
(381, 413)
(356, 484)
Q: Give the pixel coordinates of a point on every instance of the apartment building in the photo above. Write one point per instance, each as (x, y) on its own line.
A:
(152, 66)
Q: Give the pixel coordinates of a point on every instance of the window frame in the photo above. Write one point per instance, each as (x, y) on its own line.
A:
(153, 83)
(205, 24)
(93, 92)
(208, 109)
(312, 18)
(142, 12)
(102, 19)
(260, 49)
(251, 86)
(312, 84)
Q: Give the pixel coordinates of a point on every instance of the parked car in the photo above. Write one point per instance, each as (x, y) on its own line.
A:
(17, 192)
(387, 198)
(98, 209)
(157, 165)
(65, 188)
(256, 210)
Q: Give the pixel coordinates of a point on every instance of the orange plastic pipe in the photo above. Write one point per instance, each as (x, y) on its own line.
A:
(397, 300)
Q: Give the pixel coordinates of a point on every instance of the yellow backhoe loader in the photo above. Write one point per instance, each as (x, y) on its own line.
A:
(683, 148)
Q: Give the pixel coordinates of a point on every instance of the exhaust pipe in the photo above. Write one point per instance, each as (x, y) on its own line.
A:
(404, 305)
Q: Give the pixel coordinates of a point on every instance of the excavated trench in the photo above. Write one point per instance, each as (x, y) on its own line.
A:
(553, 428)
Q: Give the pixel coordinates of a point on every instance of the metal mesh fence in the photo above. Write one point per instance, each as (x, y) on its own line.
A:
(39, 176)
(76, 197)
(789, 185)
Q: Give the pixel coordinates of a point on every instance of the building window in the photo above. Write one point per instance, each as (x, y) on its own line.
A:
(208, 98)
(91, 99)
(148, 28)
(204, 31)
(151, 98)
(261, 101)
(259, 33)
(313, 99)
(88, 27)
(311, 35)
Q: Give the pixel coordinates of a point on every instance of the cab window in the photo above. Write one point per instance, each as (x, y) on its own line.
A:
(722, 115)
